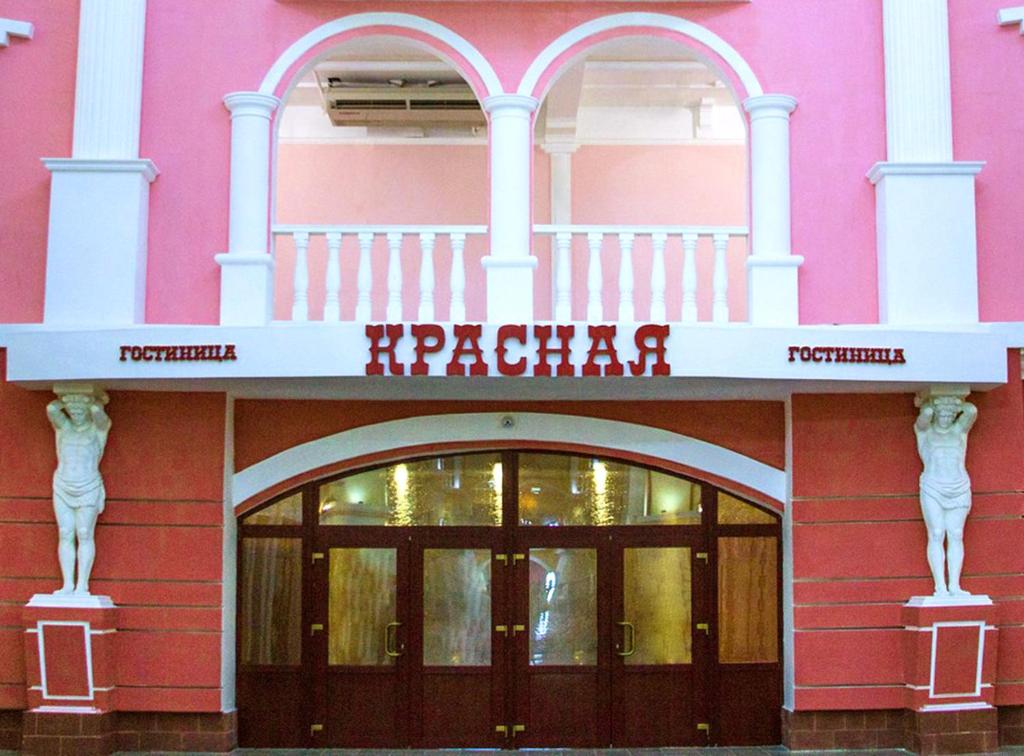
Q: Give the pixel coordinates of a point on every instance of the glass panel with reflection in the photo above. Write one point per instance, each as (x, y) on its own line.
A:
(456, 607)
(732, 511)
(563, 606)
(561, 489)
(748, 611)
(285, 512)
(271, 598)
(657, 602)
(361, 602)
(459, 490)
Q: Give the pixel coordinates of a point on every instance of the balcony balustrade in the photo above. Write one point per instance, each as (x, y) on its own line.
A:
(317, 266)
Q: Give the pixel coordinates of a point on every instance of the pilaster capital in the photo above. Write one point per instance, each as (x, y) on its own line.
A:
(251, 104)
(951, 390)
(770, 106)
(510, 104)
(91, 390)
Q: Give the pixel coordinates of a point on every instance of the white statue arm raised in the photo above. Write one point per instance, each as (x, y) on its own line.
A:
(55, 411)
(101, 421)
(968, 416)
(924, 418)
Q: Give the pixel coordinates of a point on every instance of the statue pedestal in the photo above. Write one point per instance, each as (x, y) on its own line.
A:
(949, 662)
(69, 671)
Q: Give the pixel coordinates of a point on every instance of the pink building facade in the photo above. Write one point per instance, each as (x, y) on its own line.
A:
(511, 374)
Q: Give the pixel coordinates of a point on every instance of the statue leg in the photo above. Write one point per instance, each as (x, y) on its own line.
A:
(65, 545)
(955, 520)
(85, 526)
(934, 520)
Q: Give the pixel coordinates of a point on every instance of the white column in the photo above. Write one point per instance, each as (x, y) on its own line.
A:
(563, 277)
(690, 278)
(510, 265)
(246, 283)
(426, 309)
(924, 200)
(595, 279)
(300, 282)
(771, 267)
(720, 280)
(99, 198)
(394, 309)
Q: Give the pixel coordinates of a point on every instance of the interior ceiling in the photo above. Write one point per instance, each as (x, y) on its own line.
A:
(653, 84)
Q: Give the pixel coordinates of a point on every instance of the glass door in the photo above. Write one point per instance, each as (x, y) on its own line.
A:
(359, 641)
(661, 641)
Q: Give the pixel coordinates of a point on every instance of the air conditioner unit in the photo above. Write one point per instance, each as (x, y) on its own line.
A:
(424, 105)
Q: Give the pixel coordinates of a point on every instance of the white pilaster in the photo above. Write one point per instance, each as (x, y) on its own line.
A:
(99, 198)
(510, 265)
(772, 292)
(918, 110)
(925, 214)
(246, 282)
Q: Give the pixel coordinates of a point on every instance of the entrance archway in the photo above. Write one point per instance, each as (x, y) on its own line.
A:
(509, 598)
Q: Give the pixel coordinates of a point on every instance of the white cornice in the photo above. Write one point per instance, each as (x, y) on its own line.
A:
(144, 166)
(1012, 16)
(11, 28)
(955, 168)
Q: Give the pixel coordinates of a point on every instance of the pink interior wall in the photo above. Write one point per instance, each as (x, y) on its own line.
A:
(37, 89)
(657, 185)
(827, 55)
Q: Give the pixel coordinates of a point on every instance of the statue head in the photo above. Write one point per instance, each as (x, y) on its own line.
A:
(946, 410)
(77, 406)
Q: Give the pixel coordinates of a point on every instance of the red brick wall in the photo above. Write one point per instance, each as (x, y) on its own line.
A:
(859, 541)
(158, 542)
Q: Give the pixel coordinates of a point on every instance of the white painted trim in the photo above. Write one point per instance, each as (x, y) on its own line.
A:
(11, 28)
(147, 168)
(612, 435)
(955, 168)
(88, 658)
(957, 706)
(682, 26)
(229, 567)
(981, 659)
(1011, 16)
(481, 67)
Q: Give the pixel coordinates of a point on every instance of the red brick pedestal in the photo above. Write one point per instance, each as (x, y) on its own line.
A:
(69, 672)
(949, 659)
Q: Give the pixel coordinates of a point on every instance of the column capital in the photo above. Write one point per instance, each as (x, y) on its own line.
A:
(770, 105)
(517, 103)
(560, 147)
(251, 104)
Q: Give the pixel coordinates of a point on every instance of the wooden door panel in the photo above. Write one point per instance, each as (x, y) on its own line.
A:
(272, 707)
(458, 710)
(561, 708)
(364, 709)
(749, 705)
(654, 707)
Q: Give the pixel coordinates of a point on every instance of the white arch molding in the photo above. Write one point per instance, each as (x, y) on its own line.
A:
(478, 63)
(729, 55)
(533, 427)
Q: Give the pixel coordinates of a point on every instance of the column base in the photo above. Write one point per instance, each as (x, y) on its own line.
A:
(773, 297)
(246, 289)
(509, 288)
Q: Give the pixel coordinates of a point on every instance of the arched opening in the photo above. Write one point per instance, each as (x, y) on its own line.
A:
(380, 187)
(642, 150)
(511, 597)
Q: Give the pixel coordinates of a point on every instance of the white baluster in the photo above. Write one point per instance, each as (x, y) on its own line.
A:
(689, 278)
(626, 309)
(300, 302)
(364, 278)
(595, 312)
(720, 281)
(457, 311)
(658, 278)
(332, 307)
(563, 277)
(394, 311)
(426, 313)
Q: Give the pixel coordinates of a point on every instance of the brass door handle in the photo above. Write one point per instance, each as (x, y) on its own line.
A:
(315, 628)
(391, 639)
(503, 629)
(518, 629)
(628, 634)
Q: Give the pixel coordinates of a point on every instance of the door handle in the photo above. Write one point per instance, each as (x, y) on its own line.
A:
(391, 639)
(518, 629)
(628, 634)
(704, 627)
(503, 629)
